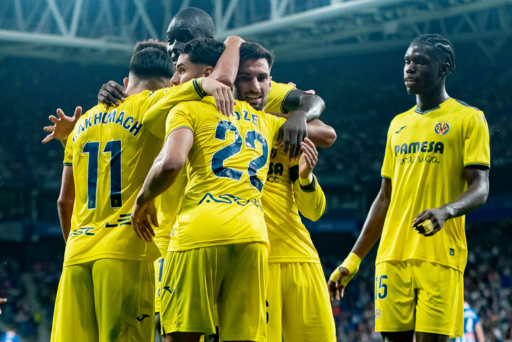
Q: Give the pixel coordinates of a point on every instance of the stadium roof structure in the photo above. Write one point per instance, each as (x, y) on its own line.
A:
(105, 31)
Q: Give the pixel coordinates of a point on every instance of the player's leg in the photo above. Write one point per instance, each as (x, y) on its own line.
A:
(395, 301)
(307, 312)
(440, 302)
(428, 337)
(241, 304)
(124, 292)
(402, 336)
(274, 303)
(74, 318)
(183, 337)
(190, 286)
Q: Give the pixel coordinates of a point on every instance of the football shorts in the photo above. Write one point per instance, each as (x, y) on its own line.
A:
(298, 304)
(420, 296)
(228, 278)
(105, 300)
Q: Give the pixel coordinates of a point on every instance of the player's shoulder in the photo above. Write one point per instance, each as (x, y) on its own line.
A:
(281, 87)
(99, 108)
(402, 117)
(467, 111)
(207, 104)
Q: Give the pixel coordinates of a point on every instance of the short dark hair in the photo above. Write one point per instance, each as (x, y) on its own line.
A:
(150, 60)
(442, 47)
(205, 51)
(249, 50)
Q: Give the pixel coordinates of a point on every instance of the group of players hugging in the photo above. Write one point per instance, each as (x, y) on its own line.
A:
(181, 194)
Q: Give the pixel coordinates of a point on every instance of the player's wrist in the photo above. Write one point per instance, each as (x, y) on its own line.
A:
(351, 263)
(306, 179)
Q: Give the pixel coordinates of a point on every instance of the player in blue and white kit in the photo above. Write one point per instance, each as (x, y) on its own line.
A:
(473, 331)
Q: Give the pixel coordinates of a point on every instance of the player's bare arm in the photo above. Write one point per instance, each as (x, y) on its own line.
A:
(320, 134)
(474, 197)
(304, 107)
(66, 200)
(112, 93)
(372, 230)
(227, 67)
(161, 176)
(479, 332)
(63, 125)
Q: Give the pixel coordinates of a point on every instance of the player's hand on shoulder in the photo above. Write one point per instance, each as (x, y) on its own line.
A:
(140, 222)
(112, 94)
(62, 125)
(293, 132)
(334, 285)
(308, 158)
(437, 218)
(222, 94)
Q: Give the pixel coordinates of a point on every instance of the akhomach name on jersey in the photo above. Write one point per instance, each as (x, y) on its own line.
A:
(111, 117)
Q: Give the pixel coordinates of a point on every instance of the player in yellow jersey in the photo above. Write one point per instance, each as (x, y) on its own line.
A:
(251, 63)
(186, 68)
(106, 160)
(435, 170)
(225, 61)
(298, 301)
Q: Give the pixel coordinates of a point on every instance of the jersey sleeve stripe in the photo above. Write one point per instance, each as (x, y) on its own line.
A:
(67, 164)
(477, 164)
(310, 187)
(384, 176)
(180, 127)
(198, 88)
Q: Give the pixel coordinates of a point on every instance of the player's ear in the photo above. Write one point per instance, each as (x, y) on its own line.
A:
(125, 82)
(207, 71)
(444, 70)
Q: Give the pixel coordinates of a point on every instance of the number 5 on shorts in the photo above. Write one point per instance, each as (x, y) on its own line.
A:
(381, 290)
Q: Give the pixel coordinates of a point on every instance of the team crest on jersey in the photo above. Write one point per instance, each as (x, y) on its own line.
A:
(442, 128)
(378, 313)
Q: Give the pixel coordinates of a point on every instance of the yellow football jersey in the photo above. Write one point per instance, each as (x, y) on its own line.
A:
(168, 203)
(282, 200)
(277, 96)
(111, 152)
(228, 163)
(425, 158)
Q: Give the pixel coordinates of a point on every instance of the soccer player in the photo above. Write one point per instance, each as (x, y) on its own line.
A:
(218, 253)
(106, 289)
(435, 170)
(191, 61)
(473, 331)
(192, 23)
(298, 301)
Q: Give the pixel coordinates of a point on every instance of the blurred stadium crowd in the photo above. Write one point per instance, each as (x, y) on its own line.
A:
(360, 114)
